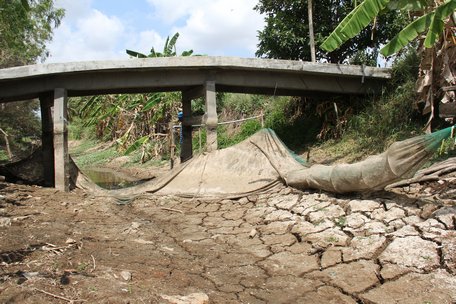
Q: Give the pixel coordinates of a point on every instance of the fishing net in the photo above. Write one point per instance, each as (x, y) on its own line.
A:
(252, 166)
(401, 160)
(258, 164)
(263, 161)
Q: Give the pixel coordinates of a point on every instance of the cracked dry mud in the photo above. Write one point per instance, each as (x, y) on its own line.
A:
(284, 247)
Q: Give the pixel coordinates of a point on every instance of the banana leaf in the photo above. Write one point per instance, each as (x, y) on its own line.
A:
(438, 22)
(89, 104)
(137, 144)
(170, 45)
(409, 5)
(353, 23)
(408, 34)
(156, 98)
(154, 54)
(135, 54)
(187, 53)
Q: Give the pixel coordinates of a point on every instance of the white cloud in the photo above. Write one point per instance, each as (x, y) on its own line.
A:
(74, 9)
(169, 11)
(145, 41)
(92, 36)
(213, 27)
(100, 31)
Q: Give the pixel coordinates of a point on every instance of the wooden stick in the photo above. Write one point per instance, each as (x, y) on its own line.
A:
(94, 265)
(58, 297)
(171, 209)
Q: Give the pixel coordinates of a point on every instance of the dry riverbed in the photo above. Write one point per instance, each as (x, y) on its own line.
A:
(286, 246)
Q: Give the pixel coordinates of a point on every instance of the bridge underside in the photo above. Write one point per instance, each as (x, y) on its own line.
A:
(193, 76)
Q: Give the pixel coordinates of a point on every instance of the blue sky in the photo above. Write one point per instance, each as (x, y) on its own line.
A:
(103, 29)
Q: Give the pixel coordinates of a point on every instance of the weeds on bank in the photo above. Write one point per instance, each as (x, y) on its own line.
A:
(391, 117)
(94, 158)
(82, 147)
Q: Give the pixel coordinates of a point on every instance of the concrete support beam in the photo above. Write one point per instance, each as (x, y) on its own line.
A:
(186, 144)
(194, 120)
(211, 116)
(47, 138)
(61, 157)
(195, 92)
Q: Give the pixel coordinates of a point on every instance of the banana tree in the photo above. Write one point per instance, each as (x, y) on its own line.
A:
(433, 25)
(169, 50)
(134, 121)
(431, 22)
(162, 106)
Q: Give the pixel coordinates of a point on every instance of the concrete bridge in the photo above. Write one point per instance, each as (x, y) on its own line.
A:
(198, 76)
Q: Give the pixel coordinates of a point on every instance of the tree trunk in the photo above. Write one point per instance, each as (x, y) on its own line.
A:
(311, 30)
(8, 149)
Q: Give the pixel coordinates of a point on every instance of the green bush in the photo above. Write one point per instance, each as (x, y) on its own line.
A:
(386, 120)
(237, 105)
(196, 140)
(247, 129)
(294, 121)
(97, 157)
(3, 156)
(393, 116)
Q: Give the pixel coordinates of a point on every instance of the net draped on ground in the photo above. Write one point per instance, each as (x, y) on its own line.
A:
(263, 161)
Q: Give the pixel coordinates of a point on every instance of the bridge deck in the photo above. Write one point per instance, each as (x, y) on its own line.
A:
(241, 75)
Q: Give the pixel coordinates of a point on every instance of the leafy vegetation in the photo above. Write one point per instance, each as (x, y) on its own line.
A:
(385, 119)
(20, 122)
(25, 27)
(95, 157)
(246, 129)
(169, 50)
(435, 19)
(286, 34)
(133, 121)
(368, 10)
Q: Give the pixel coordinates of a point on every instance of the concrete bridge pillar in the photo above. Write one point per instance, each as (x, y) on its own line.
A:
(61, 157)
(47, 138)
(207, 91)
(211, 116)
(186, 145)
